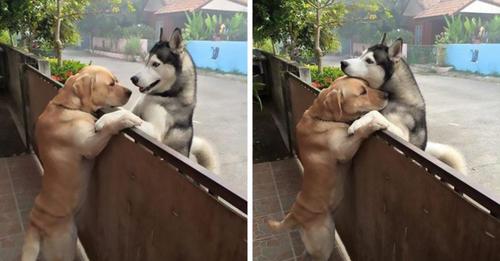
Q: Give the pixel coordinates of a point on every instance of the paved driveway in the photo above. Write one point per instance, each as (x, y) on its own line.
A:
(466, 114)
(220, 114)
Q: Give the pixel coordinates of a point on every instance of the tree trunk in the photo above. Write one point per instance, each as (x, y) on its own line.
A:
(57, 36)
(11, 39)
(317, 48)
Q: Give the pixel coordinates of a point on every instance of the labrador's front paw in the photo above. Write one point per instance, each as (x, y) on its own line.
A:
(117, 120)
(360, 123)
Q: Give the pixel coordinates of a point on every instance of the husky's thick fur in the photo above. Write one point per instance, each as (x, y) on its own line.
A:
(169, 84)
(384, 68)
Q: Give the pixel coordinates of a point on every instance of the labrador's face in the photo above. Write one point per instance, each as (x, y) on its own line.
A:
(350, 98)
(97, 88)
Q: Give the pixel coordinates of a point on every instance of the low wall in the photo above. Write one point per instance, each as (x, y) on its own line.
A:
(476, 58)
(226, 56)
(117, 46)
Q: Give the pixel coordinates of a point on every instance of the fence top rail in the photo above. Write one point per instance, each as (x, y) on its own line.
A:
(461, 183)
(20, 51)
(216, 185)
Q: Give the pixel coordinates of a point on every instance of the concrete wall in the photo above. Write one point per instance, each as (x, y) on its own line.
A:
(476, 58)
(226, 56)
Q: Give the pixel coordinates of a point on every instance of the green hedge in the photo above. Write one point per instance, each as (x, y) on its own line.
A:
(323, 80)
(68, 68)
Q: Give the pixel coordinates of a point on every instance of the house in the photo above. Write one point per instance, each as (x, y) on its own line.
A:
(428, 16)
(169, 14)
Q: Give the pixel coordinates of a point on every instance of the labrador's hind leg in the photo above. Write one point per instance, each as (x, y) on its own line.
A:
(61, 243)
(319, 239)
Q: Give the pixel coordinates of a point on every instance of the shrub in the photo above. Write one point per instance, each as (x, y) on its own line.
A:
(68, 68)
(237, 27)
(4, 37)
(133, 46)
(323, 80)
(202, 26)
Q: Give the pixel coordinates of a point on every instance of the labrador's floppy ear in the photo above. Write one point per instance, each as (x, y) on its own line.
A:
(65, 95)
(83, 87)
(176, 42)
(333, 102)
(396, 49)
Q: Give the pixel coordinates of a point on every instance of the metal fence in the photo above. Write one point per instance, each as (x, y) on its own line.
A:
(275, 69)
(421, 54)
(403, 204)
(11, 61)
(145, 200)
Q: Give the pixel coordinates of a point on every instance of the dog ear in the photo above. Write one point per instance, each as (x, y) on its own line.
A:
(333, 102)
(83, 87)
(395, 51)
(176, 41)
(161, 35)
(382, 42)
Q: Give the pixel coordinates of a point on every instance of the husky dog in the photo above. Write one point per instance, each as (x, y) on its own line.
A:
(384, 68)
(168, 83)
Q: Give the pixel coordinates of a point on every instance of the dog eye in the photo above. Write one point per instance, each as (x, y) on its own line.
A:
(369, 61)
(155, 64)
(112, 84)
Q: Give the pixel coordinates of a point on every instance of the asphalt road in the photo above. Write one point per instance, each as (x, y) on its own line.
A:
(466, 114)
(220, 115)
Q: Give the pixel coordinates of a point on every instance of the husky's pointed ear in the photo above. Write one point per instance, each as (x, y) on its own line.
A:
(395, 51)
(382, 42)
(161, 35)
(176, 41)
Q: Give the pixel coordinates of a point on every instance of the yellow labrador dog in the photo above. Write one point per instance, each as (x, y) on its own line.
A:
(67, 142)
(325, 151)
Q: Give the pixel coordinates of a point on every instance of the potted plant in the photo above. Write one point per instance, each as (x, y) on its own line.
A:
(441, 41)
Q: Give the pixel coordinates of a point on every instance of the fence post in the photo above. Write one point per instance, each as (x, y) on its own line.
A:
(44, 67)
(25, 104)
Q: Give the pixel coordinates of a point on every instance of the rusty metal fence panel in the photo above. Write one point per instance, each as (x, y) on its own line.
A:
(402, 204)
(14, 59)
(275, 69)
(148, 202)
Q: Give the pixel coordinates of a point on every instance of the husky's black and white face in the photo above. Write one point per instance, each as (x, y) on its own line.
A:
(163, 65)
(376, 64)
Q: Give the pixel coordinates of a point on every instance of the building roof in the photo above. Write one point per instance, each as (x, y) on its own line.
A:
(450, 7)
(225, 5)
(174, 6)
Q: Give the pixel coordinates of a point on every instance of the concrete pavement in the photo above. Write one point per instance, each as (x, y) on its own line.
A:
(466, 114)
(220, 115)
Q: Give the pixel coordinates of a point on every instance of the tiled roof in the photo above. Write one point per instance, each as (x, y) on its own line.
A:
(448, 7)
(174, 6)
(445, 7)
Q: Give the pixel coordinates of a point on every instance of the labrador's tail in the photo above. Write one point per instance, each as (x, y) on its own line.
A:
(289, 222)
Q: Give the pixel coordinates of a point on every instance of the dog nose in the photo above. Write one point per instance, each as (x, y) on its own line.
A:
(343, 65)
(128, 93)
(134, 79)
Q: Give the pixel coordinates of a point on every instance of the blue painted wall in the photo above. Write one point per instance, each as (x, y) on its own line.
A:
(227, 56)
(477, 58)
